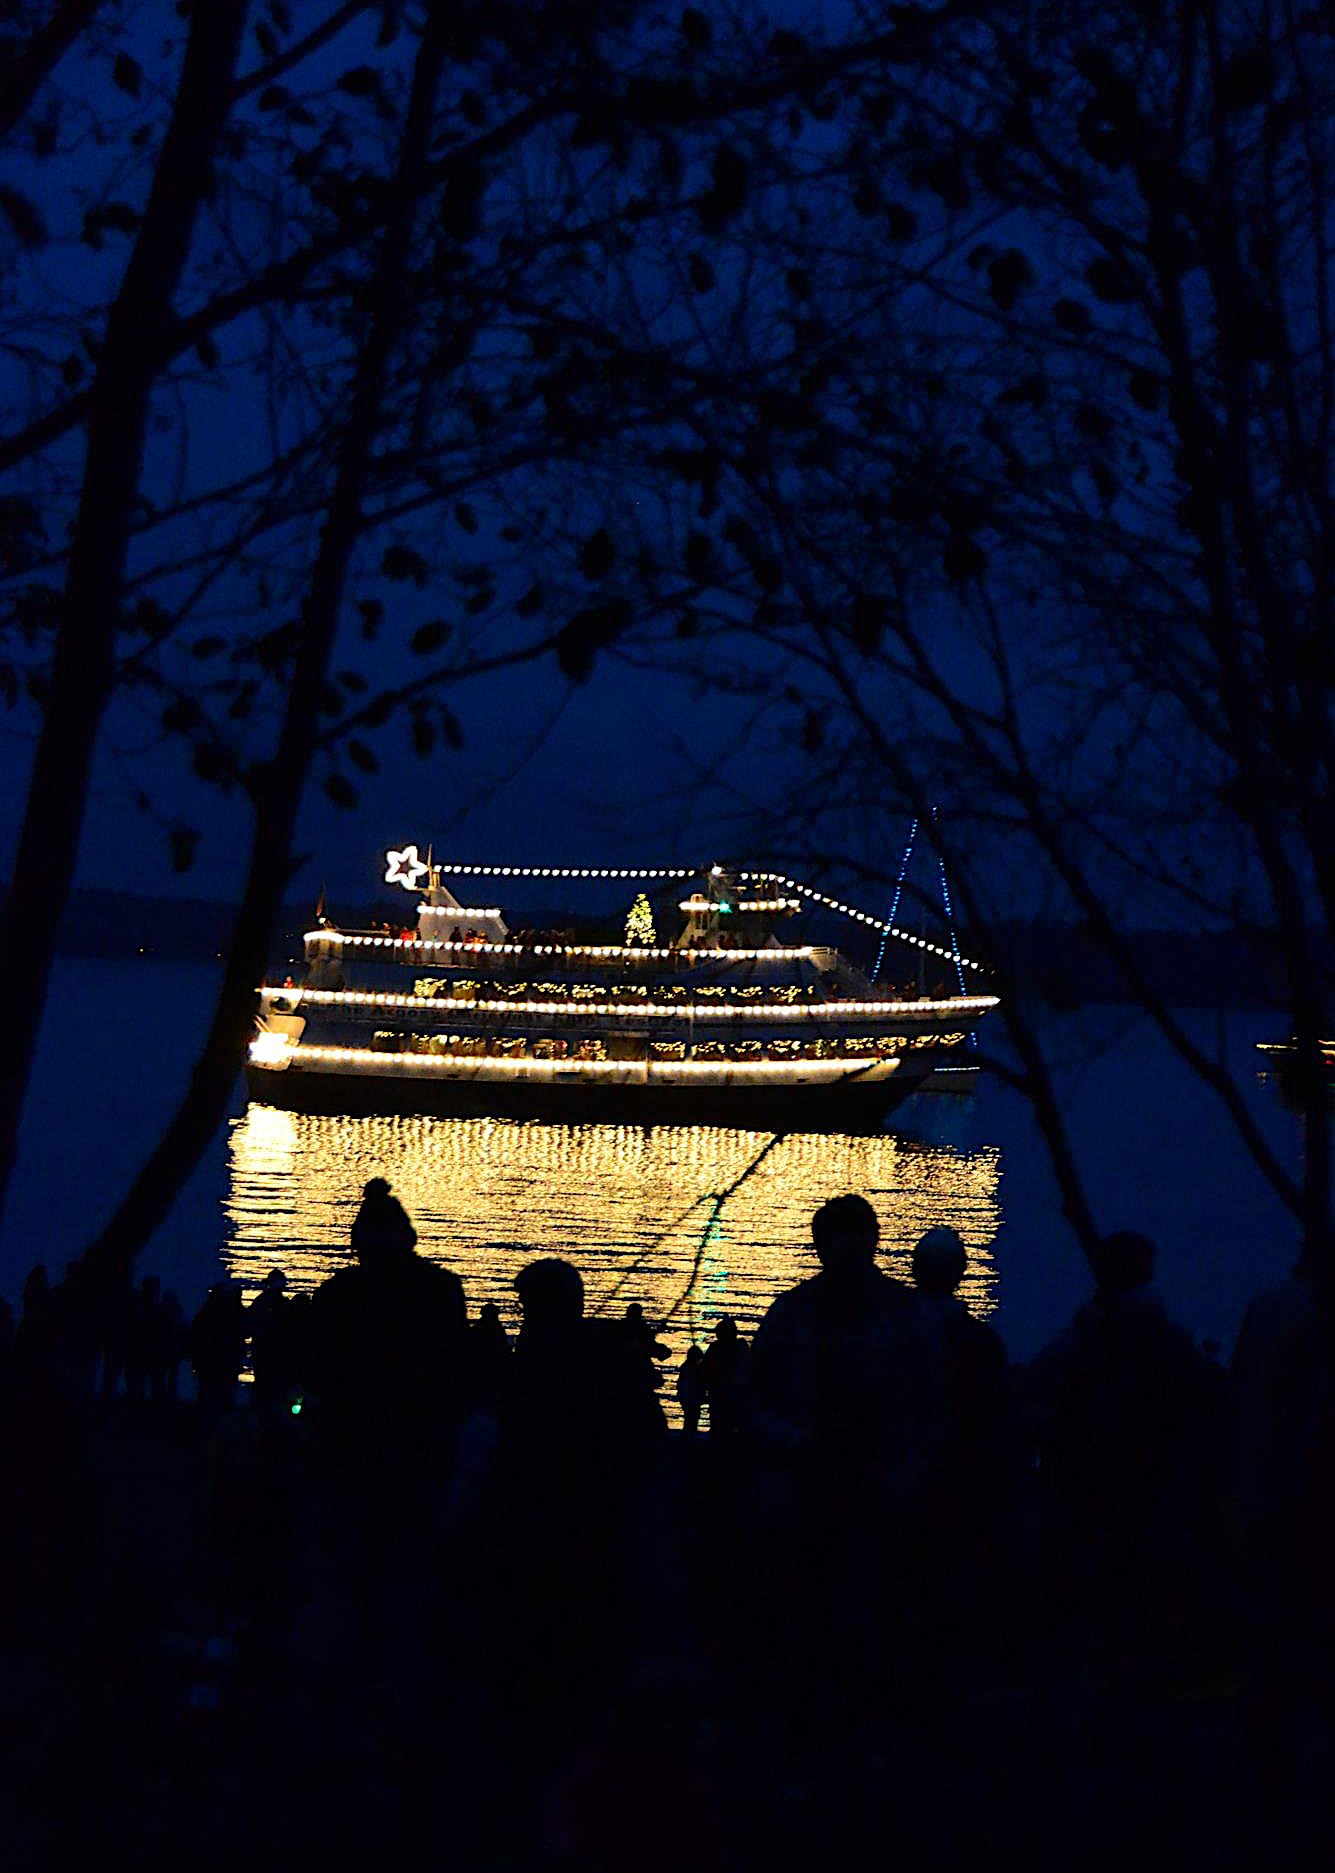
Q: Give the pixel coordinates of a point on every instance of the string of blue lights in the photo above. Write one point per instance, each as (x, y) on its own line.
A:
(950, 925)
(899, 886)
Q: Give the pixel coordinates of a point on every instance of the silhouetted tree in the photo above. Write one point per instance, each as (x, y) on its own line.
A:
(434, 318)
(1043, 532)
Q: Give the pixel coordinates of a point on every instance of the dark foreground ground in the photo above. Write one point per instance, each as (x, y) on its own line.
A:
(217, 1651)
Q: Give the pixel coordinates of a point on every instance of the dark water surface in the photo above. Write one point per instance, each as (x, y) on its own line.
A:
(638, 1210)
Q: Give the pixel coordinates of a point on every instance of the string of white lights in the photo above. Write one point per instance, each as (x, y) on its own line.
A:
(861, 916)
(628, 1072)
(456, 911)
(407, 945)
(405, 867)
(700, 904)
(684, 1011)
(559, 871)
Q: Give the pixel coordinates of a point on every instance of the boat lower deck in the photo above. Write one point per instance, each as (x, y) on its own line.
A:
(849, 1103)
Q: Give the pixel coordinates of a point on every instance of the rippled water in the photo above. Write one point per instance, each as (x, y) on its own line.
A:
(633, 1208)
(692, 1222)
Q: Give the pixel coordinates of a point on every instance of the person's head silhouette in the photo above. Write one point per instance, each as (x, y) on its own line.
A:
(551, 1294)
(844, 1234)
(939, 1261)
(725, 1329)
(1123, 1261)
(381, 1230)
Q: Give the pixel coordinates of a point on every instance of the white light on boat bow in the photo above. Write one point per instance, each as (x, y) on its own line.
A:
(271, 1050)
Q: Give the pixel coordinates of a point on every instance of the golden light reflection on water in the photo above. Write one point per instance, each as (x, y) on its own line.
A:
(635, 1209)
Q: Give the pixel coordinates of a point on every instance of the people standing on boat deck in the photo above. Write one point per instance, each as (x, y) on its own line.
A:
(388, 1343)
(726, 1374)
(216, 1344)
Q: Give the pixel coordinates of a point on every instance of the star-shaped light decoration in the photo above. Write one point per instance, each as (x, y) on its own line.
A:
(404, 867)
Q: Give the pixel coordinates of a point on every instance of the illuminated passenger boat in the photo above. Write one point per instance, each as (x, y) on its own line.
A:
(730, 1023)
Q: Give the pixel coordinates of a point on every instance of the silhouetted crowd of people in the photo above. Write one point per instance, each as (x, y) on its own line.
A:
(870, 1514)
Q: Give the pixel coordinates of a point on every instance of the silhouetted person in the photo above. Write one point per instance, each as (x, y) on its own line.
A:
(850, 1407)
(580, 1429)
(76, 1332)
(172, 1350)
(643, 1334)
(272, 1352)
(1284, 1400)
(216, 1344)
(143, 1340)
(842, 1368)
(489, 1354)
(388, 1341)
(691, 1387)
(1121, 1401)
(979, 1370)
(1117, 1392)
(726, 1374)
(6, 1348)
(577, 1384)
(32, 1336)
(114, 1315)
(976, 1502)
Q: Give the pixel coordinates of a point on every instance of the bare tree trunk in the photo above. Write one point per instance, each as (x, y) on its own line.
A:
(197, 1118)
(84, 660)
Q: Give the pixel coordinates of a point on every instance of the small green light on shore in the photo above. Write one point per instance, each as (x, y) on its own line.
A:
(295, 1407)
